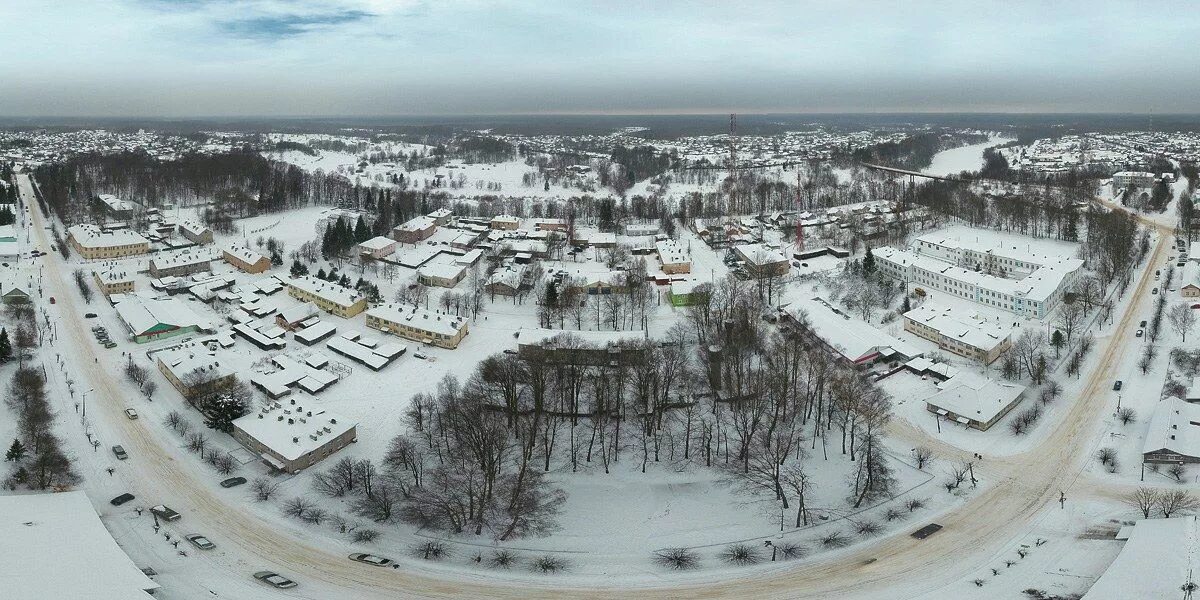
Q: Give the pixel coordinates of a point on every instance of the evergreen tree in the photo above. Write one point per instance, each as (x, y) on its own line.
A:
(298, 269)
(276, 259)
(344, 281)
(362, 233)
(1056, 340)
(16, 451)
(868, 262)
(321, 274)
(5, 347)
(221, 412)
(552, 296)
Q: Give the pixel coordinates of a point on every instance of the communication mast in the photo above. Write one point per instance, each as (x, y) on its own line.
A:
(799, 211)
(733, 148)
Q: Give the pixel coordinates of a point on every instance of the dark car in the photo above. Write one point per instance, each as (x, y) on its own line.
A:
(120, 452)
(233, 482)
(122, 499)
(89, 315)
(927, 531)
(1117, 386)
(165, 513)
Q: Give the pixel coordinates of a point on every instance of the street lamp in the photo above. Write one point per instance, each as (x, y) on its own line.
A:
(85, 402)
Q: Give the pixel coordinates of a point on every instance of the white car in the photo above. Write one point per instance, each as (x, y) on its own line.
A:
(132, 414)
(200, 541)
(1139, 333)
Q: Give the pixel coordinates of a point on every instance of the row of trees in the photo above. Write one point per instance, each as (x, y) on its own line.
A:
(39, 460)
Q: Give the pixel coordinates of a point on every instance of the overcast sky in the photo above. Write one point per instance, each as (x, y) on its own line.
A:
(376, 57)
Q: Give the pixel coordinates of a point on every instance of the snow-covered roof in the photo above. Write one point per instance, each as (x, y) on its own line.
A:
(671, 252)
(364, 353)
(58, 548)
(116, 204)
(968, 329)
(181, 258)
(856, 340)
(683, 288)
(419, 318)
(90, 236)
(1173, 427)
(193, 227)
(141, 314)
(563, 339)
(510, 276)
(315, 332)
(114, 274)
(292, 373)
(184, 359)
(441, 271)
(1160, 556)
(299, 313)
(417, 224)
(974, 396)
(378, 243)
(244, 254)
(293, 430)
(759, 254)
(324, 289)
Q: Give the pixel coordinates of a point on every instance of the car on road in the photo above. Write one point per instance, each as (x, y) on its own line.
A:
(164, 512)
(120, 452)
(1139, 333)
(233, 482)
(419, 355)
(132, 414)
(371, 559)
(200, 541)
(1142, 325)
(510, 351)
(275, 580)
(122, 499)
(1154, 291)
(926, 531)
(89, 315)
(1117, 386)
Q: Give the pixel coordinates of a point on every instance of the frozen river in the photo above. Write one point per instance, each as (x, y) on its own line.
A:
(964, 158)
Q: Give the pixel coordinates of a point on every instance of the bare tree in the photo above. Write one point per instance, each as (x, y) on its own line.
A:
(1144, 499)
(1176, 501)
(1182, 319)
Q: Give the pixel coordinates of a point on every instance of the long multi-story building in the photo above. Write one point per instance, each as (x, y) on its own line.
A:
(291, 437)
(114, 279)
(1035, 289)
(245, 259)
(330, 297)
(181, 263)
(91, 242)
(1137, 179)
(197, 233)
(973, 338)
(418, 324)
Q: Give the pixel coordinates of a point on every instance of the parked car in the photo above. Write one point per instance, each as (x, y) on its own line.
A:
(274, 579)
(233, 482)
(927, 531)
(122, 499)
(1117, 386)
(1142, 324)
(419, 355)
(1139, 333)
(371, 559)
(132, 414)
(200, 541)
(89, 315)
(52, 300)
(510, 351)
(120, 452)
(164, 512)
(1154, 291)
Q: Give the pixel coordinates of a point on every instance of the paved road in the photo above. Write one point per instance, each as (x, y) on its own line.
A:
(895, 567)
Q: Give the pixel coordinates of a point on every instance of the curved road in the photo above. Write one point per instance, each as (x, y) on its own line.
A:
(895, 567)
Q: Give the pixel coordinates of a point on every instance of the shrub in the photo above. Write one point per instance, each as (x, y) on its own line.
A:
(503, 559)
(834, 539)
(677, 558)
(740, 554)
(364, 535)
(431, 550)
(790, 550)
(548, 564)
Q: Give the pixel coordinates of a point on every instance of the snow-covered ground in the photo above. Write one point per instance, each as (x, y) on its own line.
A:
(963, 158)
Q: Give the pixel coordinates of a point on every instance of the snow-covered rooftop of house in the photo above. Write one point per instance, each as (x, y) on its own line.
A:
(969, 329)
(293, 430)
(58, 548)
(509, 275)
(184, 359)
(759, 254)
(316, 331)
(299, 313)
(974, 396)
(853, 338)
(114, 274)
(419, 318)
(685, 287)
(505, 219)
(90, 236)
(141, 313)
(244, 254)
(440, 213)
(671, 252)
(1159, 558)
(292, 372)
(369, 353)
(1173, 427)
(325, 289)
(378, 242)
(1133, 174)
(577, 339)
